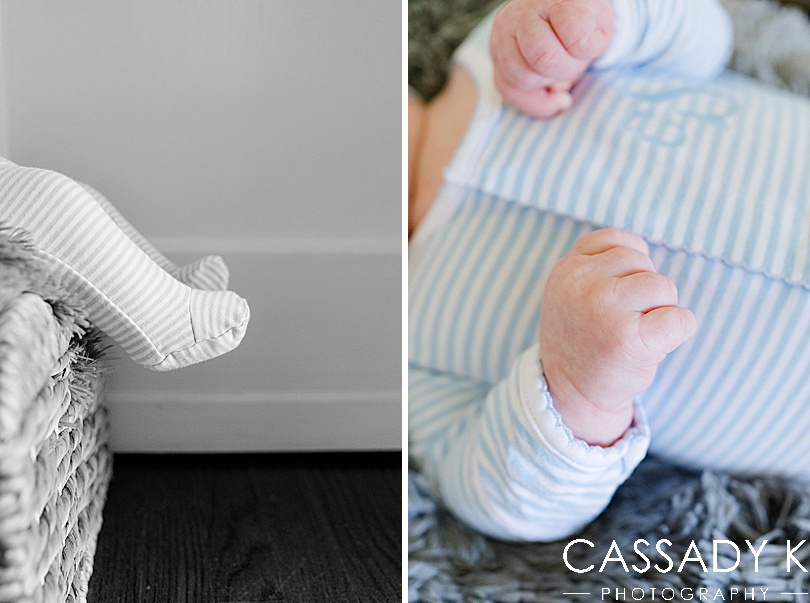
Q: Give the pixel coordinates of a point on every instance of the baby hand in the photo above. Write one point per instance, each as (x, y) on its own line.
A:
(607, 320)
(541, 47)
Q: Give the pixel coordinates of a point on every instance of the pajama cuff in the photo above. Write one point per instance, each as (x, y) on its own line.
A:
(691, 39)
(622, 45)
(557, 438)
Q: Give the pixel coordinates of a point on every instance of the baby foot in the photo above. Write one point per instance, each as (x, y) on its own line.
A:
(209, 273)
(540, 48)
(218, 323)
(160, 322)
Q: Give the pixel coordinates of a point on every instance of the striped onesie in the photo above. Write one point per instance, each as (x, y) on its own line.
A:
(716, 177)
(121, 281)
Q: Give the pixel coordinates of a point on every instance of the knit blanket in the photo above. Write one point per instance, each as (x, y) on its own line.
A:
(697, 519)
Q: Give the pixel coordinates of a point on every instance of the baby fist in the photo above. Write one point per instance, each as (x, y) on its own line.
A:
(540, 48)
(608, 319)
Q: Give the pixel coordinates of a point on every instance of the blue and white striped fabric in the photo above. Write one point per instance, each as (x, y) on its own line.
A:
(694, 165)
(690, 38)
(502, 459)
(716, 176)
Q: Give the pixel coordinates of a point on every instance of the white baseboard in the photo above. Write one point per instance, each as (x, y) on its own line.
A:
(319, 369)
(255, 422)
(196, 246)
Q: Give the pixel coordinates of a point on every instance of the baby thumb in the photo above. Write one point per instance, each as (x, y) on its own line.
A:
(540, 103)
(664, 329)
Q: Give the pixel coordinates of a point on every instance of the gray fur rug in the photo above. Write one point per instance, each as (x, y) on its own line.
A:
(450, 562)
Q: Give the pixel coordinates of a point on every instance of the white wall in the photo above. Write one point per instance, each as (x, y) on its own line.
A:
(4, 151)
(268, 131)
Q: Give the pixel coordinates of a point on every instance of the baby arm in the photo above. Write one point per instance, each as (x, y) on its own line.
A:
(501, 459)
(541, 453)
(540, 48)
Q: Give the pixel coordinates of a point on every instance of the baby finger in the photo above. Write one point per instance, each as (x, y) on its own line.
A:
(662, 330)
(645, 291)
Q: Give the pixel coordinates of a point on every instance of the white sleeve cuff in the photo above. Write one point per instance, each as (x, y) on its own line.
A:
(686, 38)
(556, 437)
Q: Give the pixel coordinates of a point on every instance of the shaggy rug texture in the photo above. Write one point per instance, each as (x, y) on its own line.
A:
(55, 465)
(21, 271)
(450, 562)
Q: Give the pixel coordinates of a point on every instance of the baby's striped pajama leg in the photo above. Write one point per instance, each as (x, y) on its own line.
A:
(208, 273)
(159, 321)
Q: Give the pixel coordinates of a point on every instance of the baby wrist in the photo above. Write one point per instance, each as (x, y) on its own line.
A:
(555, 435)
(597, 425)
(592, 425)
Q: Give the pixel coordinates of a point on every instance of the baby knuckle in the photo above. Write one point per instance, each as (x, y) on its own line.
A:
(613, 234)
(629, 258)
(506, 18)
(623, 255)
(559, 16)
(635, 240)
(664, 288)
(601, 237)
(604, 289)
(625, 238)
(565, 285)
(570, 262)
(541, 55)
(582, 277)
(616, 237)
(650, 290)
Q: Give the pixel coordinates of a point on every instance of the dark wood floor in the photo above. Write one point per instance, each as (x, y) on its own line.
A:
(251, 529)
